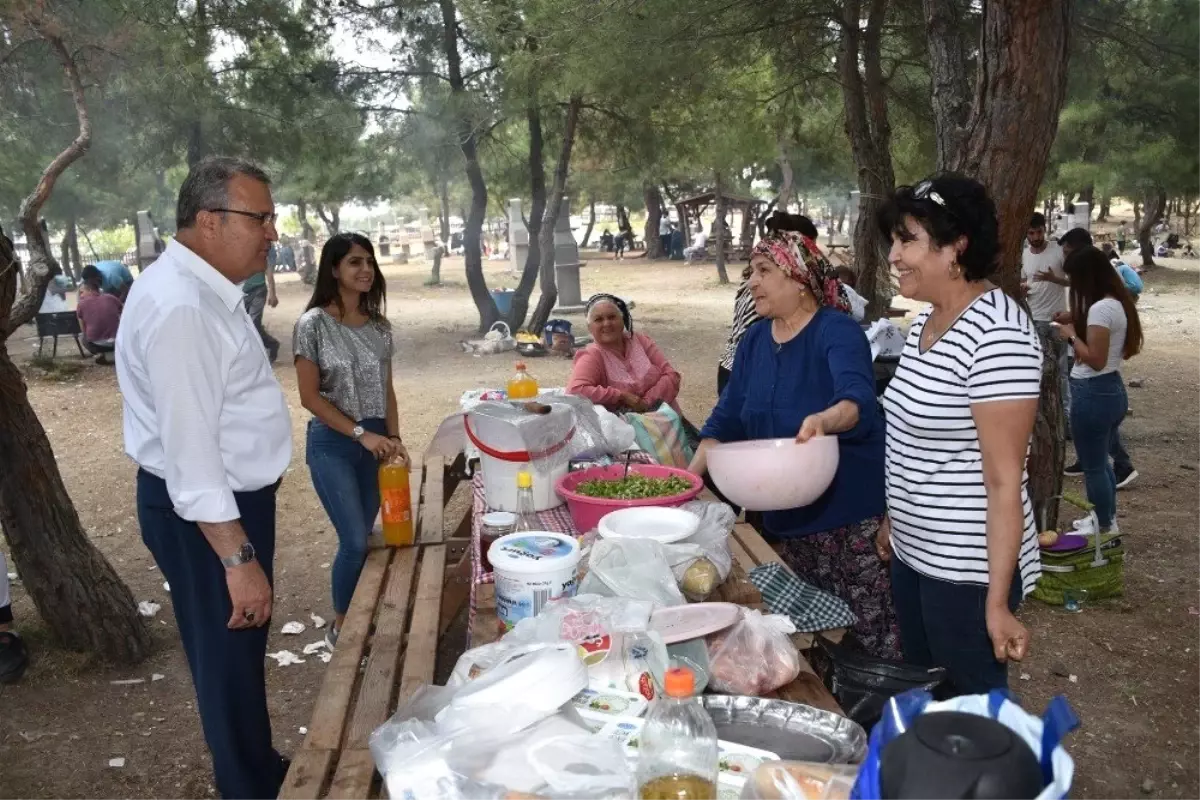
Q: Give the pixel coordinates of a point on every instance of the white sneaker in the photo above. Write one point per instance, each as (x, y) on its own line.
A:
(1084, 527)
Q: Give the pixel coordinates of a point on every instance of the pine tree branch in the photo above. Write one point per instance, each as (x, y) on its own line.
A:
(42, 266)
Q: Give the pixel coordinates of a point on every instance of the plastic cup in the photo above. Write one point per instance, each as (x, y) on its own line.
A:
(1074, 600)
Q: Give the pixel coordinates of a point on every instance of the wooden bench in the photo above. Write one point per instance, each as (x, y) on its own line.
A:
(405, 600)
(392, 623)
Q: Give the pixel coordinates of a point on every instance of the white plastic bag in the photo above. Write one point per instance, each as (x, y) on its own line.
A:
(754, 656)
(613, 637)
(583, 767)
(464, 741)
(498, 339)
(633, 568)
(703, 561)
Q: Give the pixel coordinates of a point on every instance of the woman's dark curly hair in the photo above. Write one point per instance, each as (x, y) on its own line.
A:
(798, 223)
(948, 206)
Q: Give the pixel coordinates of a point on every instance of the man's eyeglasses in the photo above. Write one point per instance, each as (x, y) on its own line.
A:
(265, 218)
(924, 191)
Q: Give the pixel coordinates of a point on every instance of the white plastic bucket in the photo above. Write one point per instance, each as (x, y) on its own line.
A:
(532, 568)
(502, 455)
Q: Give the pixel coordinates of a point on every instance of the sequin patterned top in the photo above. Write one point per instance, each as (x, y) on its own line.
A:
(353, 362)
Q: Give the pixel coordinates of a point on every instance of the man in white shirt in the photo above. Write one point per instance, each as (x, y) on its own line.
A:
(1044, 282)
(208, 425)
(664, 234)
(699, 243)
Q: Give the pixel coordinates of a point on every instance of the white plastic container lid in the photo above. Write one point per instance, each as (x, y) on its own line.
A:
(499, 519)
(533, 552)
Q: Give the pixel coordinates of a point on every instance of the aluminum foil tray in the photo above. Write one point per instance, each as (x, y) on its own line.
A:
(792, 730)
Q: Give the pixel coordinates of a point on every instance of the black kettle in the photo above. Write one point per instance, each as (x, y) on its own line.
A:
(950, 754)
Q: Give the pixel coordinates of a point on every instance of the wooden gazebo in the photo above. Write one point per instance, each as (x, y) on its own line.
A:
(691, 208)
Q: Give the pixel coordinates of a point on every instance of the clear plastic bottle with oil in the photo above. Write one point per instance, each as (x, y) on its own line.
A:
(678, 755)
(527, 518)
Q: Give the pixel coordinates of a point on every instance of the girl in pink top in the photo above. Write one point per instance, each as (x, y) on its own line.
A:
(621, 370)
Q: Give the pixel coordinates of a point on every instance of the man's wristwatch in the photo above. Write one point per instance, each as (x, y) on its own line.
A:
(244, 555)
(358, 432)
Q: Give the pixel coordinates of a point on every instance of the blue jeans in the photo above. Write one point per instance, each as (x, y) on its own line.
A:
(346, 477)
(944, 624)
(1097, 407)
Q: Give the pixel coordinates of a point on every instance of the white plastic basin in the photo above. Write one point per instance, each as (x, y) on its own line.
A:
(774, 474)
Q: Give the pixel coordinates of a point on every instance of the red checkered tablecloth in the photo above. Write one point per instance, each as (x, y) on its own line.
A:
(557, 520)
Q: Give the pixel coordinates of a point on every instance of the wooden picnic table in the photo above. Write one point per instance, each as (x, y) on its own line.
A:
(405, 601)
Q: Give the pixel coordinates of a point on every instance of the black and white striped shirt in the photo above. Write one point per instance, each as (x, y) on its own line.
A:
(744, 316)
(936, 497)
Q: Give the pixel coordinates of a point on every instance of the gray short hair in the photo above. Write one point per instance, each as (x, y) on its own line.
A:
(207, 186)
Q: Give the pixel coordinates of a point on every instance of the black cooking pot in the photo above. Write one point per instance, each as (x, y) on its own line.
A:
(950, 754)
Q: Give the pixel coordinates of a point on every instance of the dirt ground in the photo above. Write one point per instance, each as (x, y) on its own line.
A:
(1129, 666)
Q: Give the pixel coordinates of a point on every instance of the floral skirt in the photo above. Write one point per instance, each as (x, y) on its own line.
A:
(843, 562)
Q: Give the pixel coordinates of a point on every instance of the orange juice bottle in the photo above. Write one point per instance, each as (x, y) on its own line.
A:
(522, 386)
(396, 504)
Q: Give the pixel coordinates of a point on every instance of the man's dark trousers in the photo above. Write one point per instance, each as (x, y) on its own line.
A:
(227, 666)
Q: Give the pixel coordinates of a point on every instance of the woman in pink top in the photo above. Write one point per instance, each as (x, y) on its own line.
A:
(621, 370)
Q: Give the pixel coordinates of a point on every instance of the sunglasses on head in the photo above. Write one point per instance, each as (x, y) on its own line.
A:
(924, 191)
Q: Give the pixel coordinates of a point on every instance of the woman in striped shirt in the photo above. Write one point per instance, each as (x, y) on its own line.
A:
(960, 414)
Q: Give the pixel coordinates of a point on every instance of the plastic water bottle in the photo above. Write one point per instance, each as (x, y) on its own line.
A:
(678, 752)
(527, 519)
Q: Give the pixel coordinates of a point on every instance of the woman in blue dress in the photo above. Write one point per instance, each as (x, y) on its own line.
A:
(804, 371)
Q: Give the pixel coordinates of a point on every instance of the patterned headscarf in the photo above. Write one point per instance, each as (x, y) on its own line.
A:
(802, 261)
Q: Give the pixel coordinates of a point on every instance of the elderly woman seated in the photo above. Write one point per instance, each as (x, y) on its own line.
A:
(621, 370)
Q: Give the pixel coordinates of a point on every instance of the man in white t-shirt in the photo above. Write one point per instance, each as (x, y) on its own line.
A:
(696, 251)
(664, 234)
(1044, 283)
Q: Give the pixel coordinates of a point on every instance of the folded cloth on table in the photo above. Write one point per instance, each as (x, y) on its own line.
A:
(663, 434)
(809, 608)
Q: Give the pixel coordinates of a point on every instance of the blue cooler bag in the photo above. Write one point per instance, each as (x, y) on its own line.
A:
(1043, 735)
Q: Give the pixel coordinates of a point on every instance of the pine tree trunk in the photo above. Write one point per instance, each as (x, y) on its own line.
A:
(1105, 208)
(537, 209)
(468, 143)
(76, 592)
(435, 270)
(1152, 210)
(652, 198)
(76, 269)
(1088, 195)
(722, 275)
(64, 255)
(306, 228)
(554, 207)
(787, 186)
(1024, 45)
(587, 232)
(870, 133)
